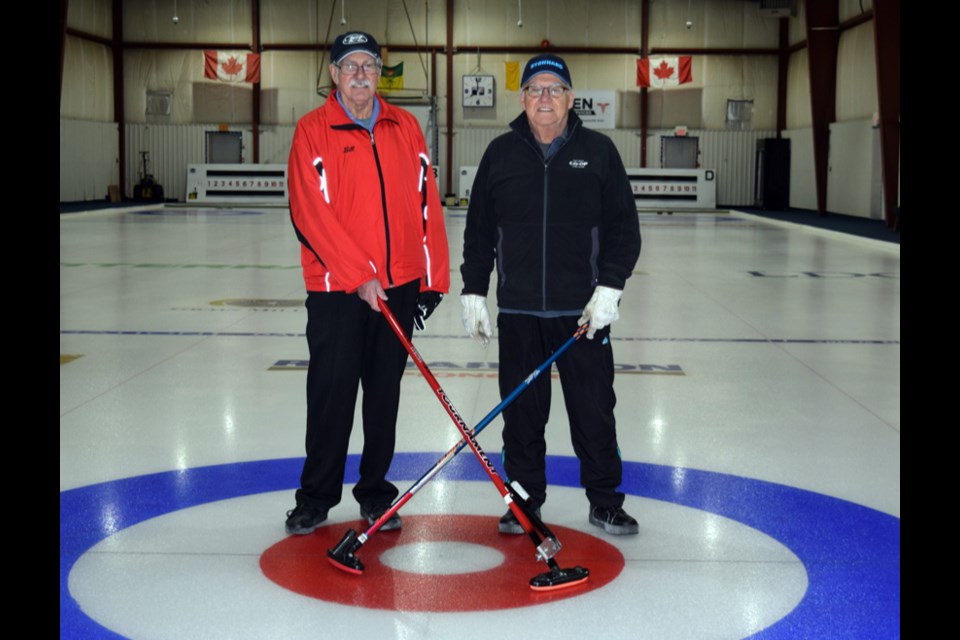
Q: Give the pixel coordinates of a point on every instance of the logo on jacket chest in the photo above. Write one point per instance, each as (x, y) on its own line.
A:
(579, 164)
(349, 149)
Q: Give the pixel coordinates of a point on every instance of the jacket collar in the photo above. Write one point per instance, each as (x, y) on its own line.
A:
(340, 119)
(521, 125)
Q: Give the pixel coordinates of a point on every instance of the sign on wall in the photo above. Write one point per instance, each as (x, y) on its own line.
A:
(597, 109)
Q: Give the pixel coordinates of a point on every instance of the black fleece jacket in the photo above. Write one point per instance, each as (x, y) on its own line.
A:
(556, 228)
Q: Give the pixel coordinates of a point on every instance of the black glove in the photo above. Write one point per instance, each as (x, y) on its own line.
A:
(427, 301)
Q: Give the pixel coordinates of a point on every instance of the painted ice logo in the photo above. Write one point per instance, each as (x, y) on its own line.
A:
(579, 164)
(354, 38)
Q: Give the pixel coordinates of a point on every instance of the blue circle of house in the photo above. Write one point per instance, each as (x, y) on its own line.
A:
(851, 553)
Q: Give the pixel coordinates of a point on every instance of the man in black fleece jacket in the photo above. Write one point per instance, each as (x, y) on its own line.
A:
(552, 208)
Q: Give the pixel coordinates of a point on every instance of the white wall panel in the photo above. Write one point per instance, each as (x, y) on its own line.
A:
(468, 148)
(729, 153)
(798, 91)
(289, 77)
(172, 148)
(856, 74)
(87, 91)
(852, 8)
(852, 187)
(798, 25)
(739, 78)
(853, 183)
(716, 23)
(88, 159)
(803, 186)
(732, 154)
(571, 22)
(275, 143)
(628, 143)
(199, 21)
(91, 16)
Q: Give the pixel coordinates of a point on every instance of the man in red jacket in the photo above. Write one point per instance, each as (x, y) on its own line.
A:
(367, 212)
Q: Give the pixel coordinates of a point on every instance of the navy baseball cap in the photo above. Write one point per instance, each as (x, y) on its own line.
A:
(353, 42)
(547, 63)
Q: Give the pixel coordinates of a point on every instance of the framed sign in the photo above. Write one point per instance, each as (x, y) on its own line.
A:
(597, 109)
(478, 91)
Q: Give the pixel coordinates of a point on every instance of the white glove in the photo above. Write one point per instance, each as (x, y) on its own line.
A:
(602, 310)
(476, 319)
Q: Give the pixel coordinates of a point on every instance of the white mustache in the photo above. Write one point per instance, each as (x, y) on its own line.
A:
(360, 84)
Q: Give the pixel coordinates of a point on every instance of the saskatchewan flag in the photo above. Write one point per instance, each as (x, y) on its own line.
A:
(391, 78)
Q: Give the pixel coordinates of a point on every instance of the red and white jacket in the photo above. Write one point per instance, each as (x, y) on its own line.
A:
(366, 205)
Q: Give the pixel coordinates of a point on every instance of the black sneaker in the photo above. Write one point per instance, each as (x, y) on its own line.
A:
(510, 525)
(304, 519)
(373, 513)
(613, 520)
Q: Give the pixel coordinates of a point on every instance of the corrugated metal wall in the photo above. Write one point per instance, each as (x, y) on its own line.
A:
(88, 159)
(729, 153)
(468, 148)
(275, 142)
(732, 154)
(172, 147)
(88, 155)
(627, 142)
(803, 182)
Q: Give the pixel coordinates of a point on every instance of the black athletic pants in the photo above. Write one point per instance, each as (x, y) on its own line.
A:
(586, 377)
(351, 345)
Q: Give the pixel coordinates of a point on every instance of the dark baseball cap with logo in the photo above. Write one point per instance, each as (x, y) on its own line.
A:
(547, 63)
(354, 42)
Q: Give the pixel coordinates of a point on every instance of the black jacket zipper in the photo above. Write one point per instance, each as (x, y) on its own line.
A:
(383, 199)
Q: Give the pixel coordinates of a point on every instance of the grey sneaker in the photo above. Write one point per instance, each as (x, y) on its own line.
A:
(304, 519)
(613, 520)
(372, 513)
(510, 525)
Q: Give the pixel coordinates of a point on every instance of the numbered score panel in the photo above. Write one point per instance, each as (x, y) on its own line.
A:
(242, 183)
(237, 183)
(673, 189)
(657, 189)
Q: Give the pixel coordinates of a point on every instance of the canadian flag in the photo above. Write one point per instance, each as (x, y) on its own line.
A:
(668, 71)
(231, 66)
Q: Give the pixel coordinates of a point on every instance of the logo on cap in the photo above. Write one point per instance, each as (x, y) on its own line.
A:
(552, 63)
(354, 38)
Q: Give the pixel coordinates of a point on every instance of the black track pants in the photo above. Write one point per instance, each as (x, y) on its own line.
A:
(352, 346)
(586, 377)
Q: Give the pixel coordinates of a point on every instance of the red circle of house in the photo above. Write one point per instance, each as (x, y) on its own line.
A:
(299, 563)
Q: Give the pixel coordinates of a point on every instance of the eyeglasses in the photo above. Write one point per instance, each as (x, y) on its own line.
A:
(536, 90)
(351, 68)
